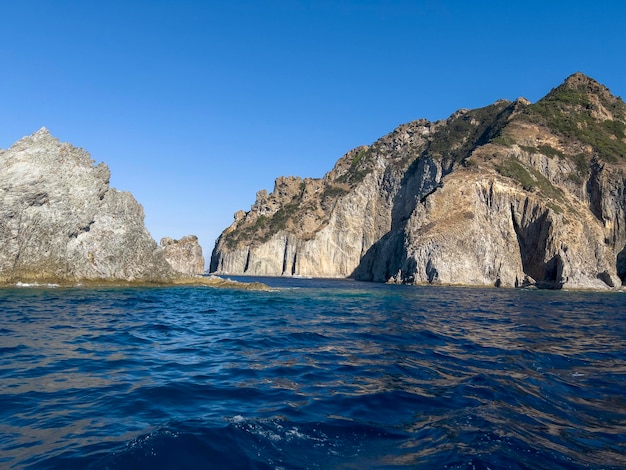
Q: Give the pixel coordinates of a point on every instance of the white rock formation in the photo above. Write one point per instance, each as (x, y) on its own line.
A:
(61, 221)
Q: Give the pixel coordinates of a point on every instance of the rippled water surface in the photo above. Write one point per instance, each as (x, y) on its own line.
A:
(317, 374)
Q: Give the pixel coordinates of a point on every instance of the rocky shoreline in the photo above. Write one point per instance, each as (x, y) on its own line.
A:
(190, 281)
(514, 194)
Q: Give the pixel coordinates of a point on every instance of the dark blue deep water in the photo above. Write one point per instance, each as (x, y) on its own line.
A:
(317, 374)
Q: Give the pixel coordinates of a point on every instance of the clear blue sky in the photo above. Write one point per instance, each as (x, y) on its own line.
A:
(196, 105)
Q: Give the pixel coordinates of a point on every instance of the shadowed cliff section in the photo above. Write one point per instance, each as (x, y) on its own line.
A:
(450, 146)
(512, 194)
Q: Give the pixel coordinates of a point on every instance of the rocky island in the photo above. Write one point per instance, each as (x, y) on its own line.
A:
(60, 219)
(512, 194)
(62, 223)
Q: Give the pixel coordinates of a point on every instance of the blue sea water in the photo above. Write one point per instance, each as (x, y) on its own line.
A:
(316, 374)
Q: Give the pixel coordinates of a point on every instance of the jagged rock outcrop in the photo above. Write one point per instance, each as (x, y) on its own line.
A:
(512, 194)
(61, 221)
(184, 255)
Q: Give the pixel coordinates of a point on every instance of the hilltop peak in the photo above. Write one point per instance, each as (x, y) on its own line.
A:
(42, 133)
(39, 137)
(579, 78)
(582, 83)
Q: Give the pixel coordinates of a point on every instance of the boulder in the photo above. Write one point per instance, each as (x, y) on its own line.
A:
(184, 255)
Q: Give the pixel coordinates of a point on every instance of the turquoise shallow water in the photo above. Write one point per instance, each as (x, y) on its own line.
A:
(318, 374)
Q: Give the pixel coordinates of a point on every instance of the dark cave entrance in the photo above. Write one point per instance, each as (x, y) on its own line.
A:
(621, 265)
(532, 240)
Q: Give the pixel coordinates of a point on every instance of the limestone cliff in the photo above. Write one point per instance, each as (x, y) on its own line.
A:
(61, 221)
(510, 194)
(184, 255)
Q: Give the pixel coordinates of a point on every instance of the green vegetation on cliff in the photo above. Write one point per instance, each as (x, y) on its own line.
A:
(359, 168)
(586, 112)
(468, 129)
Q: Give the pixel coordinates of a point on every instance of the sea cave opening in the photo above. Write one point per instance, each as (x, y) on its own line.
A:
(621, 265)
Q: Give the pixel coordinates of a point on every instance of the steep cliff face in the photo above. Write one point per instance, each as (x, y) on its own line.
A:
(511, 194)
(184, 255)
(61, 221)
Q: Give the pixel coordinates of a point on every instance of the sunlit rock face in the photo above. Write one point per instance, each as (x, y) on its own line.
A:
(513, 194)
(61, 221)
(184, 255)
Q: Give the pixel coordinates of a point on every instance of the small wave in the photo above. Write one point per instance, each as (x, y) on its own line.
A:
(36, 284)
(255, 443)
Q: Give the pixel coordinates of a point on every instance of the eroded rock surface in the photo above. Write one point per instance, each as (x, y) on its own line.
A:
(512, 194)
(61, 221)
(184, 255)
